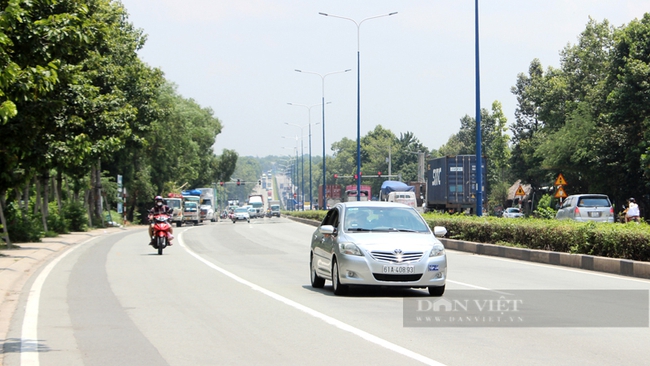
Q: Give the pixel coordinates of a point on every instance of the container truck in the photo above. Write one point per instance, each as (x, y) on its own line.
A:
(451, 183)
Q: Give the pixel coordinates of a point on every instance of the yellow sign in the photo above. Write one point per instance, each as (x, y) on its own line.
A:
(560, 193)
(560, 180)
(520, 191)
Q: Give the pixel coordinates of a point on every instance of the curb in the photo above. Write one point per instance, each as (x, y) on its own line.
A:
(623, 267)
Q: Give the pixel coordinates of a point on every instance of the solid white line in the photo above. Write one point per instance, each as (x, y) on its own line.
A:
(327, 319)
(29, 352)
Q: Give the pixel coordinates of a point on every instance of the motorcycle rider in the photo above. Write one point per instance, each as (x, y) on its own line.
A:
(160, 208)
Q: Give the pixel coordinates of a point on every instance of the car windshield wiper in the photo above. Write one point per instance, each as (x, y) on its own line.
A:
(358, 229)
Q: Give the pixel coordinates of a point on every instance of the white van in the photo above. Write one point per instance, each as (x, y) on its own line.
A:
(407, 198)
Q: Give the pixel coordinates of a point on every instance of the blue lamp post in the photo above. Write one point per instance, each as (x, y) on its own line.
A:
(479, 160)
(358, 24)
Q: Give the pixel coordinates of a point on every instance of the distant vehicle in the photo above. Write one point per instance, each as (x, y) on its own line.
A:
(257, 201)
(351, 192)
(452, 183)
(241, 213)
(394, 191)
(191, 212)
(378, 244)
(512, 213)
(586, 207)
(207, 204)
(275, 208)
(176, 205)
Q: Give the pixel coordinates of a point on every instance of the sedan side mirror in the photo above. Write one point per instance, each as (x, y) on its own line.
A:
(439, 231)
(327, 230)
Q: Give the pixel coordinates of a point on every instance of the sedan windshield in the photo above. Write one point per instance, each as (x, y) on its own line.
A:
(391, 219)
(241, 210)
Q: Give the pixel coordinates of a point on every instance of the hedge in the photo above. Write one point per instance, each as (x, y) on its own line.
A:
(626, 241)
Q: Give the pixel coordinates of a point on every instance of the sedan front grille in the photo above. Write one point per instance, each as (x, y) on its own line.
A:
(397, 277)
(392, 257)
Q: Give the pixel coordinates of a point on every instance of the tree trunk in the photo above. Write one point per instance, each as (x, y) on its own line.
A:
(88, 205)
(57, 190)
(25, 207)
(3, 221)
(45, 211)
(98, 190)
(37, 203)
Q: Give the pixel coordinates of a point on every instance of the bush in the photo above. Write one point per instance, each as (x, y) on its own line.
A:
(27, 230)
(55, 221)
(75, 216)
(627, 241)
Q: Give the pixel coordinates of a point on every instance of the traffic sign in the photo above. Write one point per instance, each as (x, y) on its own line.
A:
(560, 193)
(520, 191)
(560, 180)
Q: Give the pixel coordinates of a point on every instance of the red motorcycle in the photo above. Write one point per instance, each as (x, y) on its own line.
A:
(161, 233)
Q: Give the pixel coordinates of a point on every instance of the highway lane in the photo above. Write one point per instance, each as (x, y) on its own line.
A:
(240, 294)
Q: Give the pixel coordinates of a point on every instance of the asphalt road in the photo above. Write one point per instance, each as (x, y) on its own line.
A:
(239, 294)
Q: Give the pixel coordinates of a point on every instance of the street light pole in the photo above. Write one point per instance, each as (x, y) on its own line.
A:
(479, 160)
(358, 24)
(323, 104)
(311, 198)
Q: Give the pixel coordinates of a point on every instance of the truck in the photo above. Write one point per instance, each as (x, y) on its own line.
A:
(351, 192)
(175, 202)
(257, 201)
(395, 191)
(451, 183)
(275, 208)
(207, 204)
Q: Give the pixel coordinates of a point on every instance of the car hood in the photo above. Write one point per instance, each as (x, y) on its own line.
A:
(391, 241)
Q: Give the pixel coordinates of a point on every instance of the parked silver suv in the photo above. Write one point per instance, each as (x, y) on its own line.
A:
(586, 207)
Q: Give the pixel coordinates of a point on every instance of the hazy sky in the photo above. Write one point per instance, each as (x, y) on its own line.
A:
(239, 57)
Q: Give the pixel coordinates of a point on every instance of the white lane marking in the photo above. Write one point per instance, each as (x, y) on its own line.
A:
(559, 267)
(327, 319)
(478, 287)
(29, 347)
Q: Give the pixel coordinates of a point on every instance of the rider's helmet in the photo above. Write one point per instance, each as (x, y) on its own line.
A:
(158, 200)
(631, 199)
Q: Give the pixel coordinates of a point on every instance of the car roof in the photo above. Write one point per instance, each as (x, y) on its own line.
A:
(589, 195)
(376, 204)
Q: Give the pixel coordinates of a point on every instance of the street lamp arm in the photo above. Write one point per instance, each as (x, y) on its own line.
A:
(358, 24)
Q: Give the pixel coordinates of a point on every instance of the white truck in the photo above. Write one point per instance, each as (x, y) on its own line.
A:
(207, 205)
(275, 208)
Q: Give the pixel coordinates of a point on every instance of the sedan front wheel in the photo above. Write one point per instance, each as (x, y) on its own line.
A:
(339, 289)
(316, 280)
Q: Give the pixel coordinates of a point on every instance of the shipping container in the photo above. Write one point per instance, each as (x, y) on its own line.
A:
(451, 183)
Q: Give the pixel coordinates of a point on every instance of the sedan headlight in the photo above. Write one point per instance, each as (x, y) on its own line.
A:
(438, 250)
(349, 248)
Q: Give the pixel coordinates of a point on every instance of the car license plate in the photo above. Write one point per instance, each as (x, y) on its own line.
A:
(399, 269)
(594, 213)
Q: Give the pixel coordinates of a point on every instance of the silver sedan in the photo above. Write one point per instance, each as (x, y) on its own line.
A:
(380, 244)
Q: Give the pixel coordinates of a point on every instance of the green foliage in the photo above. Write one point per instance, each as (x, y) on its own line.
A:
(75, 216)
(22, 230)
(544, 209)
(55, 221)
(628, 241)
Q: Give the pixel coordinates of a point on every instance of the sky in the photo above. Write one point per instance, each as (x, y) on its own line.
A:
(416, 68)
